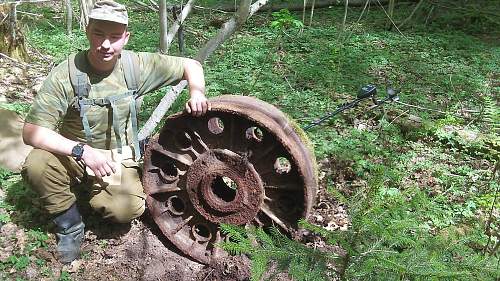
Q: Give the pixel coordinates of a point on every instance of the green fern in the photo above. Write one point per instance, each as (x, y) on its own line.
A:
(389, 239)
(301, 262)
(491, 114)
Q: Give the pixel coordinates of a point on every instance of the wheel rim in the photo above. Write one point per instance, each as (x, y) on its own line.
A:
(242, 163)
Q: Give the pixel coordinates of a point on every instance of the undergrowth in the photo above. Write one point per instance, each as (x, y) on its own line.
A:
(18, 205)
(416, 204)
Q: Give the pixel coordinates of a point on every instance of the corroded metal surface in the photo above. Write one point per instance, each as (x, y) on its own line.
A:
(242, 163)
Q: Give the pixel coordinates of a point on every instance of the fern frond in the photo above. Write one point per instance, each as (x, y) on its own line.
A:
(303, 263)
(264, 238)
(234, 232)
(491, 114)
(232, 248)
(259, 266)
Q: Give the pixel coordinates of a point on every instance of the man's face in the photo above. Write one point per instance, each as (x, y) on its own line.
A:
(107, 40)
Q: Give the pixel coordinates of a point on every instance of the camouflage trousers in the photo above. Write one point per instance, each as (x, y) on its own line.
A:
(119, 198)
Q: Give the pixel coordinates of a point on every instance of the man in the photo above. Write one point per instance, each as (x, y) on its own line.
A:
(84, 130)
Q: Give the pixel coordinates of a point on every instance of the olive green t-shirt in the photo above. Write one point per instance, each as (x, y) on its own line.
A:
(53, 107)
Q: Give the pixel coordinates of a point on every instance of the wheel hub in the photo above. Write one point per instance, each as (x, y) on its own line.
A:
(224, 187)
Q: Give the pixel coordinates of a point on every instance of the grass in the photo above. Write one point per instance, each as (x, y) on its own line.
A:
(20, 207)
(442, 166)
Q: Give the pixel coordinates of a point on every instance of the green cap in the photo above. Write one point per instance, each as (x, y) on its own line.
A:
(109, 11)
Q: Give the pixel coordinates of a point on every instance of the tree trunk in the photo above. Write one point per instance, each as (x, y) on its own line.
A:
(180, 32)
(390, 12)
(163, 26)
(69, 16)
(11, 38)
(85, 7)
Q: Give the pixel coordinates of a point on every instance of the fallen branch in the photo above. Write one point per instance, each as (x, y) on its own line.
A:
(12, 59)
(154, 4)
(412, 13)
(244, 12)
(30, 14)
(389, 17)
(421, 107)
(195, 33)
(211, 9)
(24, 1)
(165, 103)
(226, 31)
(154, 9)
(301, 6)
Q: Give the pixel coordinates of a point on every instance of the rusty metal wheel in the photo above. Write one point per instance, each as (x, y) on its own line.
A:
(242, 163)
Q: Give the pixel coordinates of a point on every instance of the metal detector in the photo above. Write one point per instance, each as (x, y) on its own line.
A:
(367, 92)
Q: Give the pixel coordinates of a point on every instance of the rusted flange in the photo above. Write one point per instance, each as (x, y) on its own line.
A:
(242, 163)
(224, 187)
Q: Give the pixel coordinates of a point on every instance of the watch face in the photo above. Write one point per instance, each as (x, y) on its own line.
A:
(77, 151)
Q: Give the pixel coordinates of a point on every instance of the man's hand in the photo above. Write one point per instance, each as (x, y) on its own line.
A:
(47, 139)
(97, 162)
(198, 104)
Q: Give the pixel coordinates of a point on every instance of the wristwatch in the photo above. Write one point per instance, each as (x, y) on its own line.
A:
(77, 151)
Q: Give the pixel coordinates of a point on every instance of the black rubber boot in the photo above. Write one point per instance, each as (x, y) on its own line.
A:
(70, 232)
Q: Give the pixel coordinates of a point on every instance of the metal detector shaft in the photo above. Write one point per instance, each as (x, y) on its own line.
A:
(368, 91)
(339, 109)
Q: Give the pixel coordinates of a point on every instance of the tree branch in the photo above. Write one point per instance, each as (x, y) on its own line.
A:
(24, 1)
(175, 26)
(244, 12)
(12, 59)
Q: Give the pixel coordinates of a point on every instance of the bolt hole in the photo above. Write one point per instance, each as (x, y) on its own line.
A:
(183, 140)
(168, 172)
(215, 125)
(282, 165)
(201, 232)
(176, 205)
(255, 134)
(224, 188)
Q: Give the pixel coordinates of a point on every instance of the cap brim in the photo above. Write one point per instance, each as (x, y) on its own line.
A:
(107, 18)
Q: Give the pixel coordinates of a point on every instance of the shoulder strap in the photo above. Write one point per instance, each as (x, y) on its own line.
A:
(79, 80)
(131, 69)
(81, 87)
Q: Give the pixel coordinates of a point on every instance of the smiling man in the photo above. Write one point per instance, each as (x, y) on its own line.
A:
(83, 125)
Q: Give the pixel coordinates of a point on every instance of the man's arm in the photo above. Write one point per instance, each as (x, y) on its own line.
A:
(47, 139)
(197, 104)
